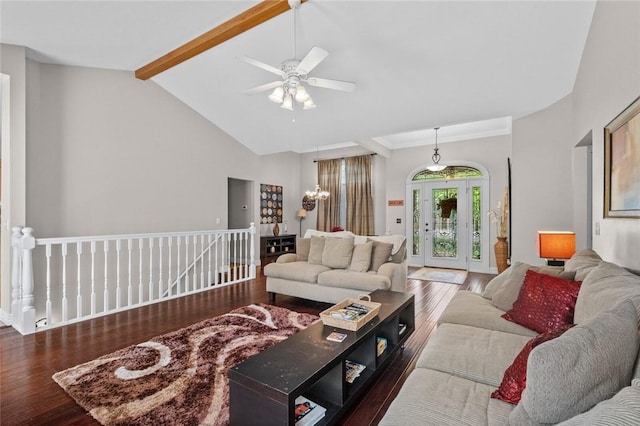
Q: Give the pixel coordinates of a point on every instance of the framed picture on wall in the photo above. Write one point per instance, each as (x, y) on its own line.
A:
(622, 164)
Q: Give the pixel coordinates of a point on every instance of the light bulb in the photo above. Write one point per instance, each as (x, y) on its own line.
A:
(308, 104)
(301, 94)
(277, 95)
(287, 103)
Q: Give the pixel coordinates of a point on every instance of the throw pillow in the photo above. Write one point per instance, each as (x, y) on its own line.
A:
(621, 410)
(336, 253)
(316, 247)
(497, 282)
(545, 302)
(508, 292)
(302, 249)
(582, 262)
(587, 364)
(361, 258)
(606, 286)
(515, 377)
(380, 254)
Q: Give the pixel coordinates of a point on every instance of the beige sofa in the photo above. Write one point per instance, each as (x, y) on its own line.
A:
(586, 376)
(329, 267)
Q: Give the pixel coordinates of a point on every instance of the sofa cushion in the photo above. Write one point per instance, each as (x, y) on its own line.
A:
(603, 288)
(582, 262)
(545, 302)
(515, 376)
(465, 351)
(621, 410)
(508, 292)
(564, 379)
(361, 258)
(380, 254)
(337, 252)
(296, 271)
(356, 280)
(496, 282)
(316, 247)
(469, 308)
(302, 249)
(430, 397)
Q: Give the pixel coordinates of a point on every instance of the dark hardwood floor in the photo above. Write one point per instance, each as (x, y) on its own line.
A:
(28, 395)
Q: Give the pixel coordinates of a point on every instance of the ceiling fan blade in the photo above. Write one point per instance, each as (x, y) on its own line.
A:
(248, 19)
(262, 88)
(313, 58)
(266, 67)
(345, 86)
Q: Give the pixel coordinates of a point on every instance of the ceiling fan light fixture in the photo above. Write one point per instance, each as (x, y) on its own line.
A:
(277, 95)
(287, 103)
(301, 94)
(309, 104)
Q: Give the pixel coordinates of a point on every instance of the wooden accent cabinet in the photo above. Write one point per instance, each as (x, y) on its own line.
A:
(272, 247)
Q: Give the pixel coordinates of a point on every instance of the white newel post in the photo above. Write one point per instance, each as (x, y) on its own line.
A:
(252, 250)
(28, 321)
(16, 253)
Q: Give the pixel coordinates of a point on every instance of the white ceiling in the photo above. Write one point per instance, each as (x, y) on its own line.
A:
(417, 64)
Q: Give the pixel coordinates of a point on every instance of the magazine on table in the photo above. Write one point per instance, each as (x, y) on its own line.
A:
(307, 412)
(352, 312)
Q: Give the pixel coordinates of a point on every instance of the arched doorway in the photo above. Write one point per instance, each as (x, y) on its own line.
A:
(446, 224)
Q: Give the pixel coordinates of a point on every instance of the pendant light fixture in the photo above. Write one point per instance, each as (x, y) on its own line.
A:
(317, 193)
(436, 166)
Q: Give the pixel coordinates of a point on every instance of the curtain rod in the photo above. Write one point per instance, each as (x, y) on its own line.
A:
(350, 156)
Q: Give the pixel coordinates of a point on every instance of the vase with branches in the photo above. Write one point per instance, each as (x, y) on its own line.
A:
(500, 216)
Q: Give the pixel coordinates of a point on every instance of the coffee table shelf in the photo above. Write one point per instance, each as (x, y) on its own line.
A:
(264, 387)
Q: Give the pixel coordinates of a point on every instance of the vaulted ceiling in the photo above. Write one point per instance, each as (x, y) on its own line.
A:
(417, 64)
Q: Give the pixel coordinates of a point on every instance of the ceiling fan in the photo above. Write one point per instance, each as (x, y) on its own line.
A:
(295, 72)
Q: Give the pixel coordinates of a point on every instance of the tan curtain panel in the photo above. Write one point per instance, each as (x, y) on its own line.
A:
(359, 201)
(329, 180)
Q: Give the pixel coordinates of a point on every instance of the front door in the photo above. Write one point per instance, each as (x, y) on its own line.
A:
(439, 218)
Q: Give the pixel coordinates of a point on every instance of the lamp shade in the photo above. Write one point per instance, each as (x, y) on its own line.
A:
(556, 245)
(302, 213)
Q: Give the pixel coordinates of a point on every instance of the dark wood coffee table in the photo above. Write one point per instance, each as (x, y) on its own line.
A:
(264, 387)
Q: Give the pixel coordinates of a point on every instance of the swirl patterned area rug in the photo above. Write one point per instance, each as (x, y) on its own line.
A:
(180, 377)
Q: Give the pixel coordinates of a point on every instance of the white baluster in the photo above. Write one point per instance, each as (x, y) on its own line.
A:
(140, 287)
(16, 275)
(48, 304)
(216, 272)
(150, 269)
(130, 284)
(93, 277)
(202, 285)
(170, 263)
(105, 246)
(118, 289)
(28, 315)
(195, 267)
(79, 290)
(160, 252)
(235, 256)
(186, 264)
(252, 245)
(209, 282)
(178, 269)
(65, 300)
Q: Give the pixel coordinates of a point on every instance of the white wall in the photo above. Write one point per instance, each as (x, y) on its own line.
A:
(607, 82)
(542, 197)
(13, 65)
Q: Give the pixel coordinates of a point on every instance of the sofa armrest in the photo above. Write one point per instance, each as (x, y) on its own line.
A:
(287, 258)
(397, 273)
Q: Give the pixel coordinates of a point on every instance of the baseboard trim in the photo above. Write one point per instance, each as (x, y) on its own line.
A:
(5, 317)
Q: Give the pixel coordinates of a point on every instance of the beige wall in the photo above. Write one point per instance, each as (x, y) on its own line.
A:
(608, 81)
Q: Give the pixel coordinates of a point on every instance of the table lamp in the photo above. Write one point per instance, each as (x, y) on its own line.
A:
(555, 245)
(302, 213)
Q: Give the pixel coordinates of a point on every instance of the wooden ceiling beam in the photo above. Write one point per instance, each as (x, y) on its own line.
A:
(248, 19)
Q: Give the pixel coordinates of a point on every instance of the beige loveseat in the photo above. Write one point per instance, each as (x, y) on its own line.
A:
(332, 266)
(586, 376)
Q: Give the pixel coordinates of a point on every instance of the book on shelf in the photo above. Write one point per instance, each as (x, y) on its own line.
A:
(352, 312)
(381, 345)
(352, 370)
(307, 412)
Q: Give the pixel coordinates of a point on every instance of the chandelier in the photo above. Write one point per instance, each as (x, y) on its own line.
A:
(436, 166)
(317, 193)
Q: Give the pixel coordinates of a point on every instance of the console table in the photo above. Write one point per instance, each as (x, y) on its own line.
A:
(264, 387)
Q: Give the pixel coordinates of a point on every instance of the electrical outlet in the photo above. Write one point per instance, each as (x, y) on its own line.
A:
(597, 228)
(217, 221)
(398, 220)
